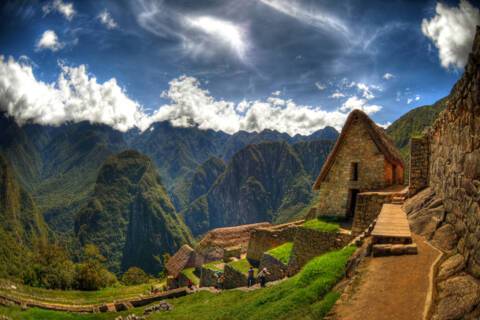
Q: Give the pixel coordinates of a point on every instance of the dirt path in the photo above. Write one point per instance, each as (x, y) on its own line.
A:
(395, 287)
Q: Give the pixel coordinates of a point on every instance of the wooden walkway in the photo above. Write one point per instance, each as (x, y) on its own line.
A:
(392, 226)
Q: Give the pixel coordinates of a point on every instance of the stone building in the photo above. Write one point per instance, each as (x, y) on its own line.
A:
(363, 159)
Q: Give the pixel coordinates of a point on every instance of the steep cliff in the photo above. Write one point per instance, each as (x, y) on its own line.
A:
(262, 182)
(130, 216)
(21, 223)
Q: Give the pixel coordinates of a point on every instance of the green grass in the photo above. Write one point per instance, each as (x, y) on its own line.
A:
(241, 265)
(213, 266)
(320, 225)
(15, 313)
(282, 253)
(80, 297)
(305, 296)
(190, 275)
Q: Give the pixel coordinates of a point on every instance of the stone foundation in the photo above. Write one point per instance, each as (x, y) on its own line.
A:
(264, 239)
(208, 277)
(309, 243)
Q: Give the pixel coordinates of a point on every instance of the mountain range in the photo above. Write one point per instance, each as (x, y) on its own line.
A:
(139, 194)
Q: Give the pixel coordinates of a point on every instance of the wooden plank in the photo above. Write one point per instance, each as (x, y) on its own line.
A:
(392, 223)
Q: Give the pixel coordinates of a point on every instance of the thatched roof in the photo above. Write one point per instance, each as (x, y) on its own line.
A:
(377, 134)
(184, 257)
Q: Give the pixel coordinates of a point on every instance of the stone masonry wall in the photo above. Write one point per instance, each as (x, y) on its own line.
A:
(309, 243)
(419, 164)
(234, 278)
(276, 268)
(264, 239)
(368, 207)
(454, 176)
(357, 147)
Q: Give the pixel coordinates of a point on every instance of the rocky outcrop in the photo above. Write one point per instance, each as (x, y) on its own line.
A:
(457, 297)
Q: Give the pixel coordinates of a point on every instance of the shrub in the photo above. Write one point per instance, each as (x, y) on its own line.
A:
(133, 276)
(91, 274)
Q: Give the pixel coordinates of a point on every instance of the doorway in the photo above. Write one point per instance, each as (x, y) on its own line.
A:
(352, 202)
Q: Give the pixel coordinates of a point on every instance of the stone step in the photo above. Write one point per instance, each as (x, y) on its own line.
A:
(382, 250)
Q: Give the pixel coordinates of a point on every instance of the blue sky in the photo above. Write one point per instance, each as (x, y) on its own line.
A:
(255, 57)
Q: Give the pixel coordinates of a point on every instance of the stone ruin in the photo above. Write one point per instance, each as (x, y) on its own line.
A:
(216, 254)
(445, 190)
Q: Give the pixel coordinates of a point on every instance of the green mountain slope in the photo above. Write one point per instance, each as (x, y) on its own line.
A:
(413, 123)
(130, 216)
(21, 226)
(262, 182)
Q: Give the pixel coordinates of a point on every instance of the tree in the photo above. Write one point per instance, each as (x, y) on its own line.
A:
(90, 273)
(50, 268)
(134, 275)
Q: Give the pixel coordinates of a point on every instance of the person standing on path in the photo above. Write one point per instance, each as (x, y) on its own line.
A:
(251, 277)
(262, 276)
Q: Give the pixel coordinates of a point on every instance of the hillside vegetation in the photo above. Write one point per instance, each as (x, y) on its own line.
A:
(413, 123)
(305, 296)
(130, 216)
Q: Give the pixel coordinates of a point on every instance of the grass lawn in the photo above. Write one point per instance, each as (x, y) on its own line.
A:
(320, 225)
(282, 252)
(80, 297)
(242, 265)
(306, 296)
(213, 266)
(190, 275)
(16, 313)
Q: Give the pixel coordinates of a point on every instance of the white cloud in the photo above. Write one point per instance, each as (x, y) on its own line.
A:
(367, 90)
(337, 95)
(223, 31)
(66, 9)
(107, 20)
(388, 76)
(320, 86)
(356, 103)
(452, 30)
(317, 18)
(384, 125)
(77, 96)
(416, 98)
(276, 93)
(198, 36)
(49, 40)
(74, 97)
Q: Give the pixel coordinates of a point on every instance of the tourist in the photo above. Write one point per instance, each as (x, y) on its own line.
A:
(220, 280)
(251, 277)
(190, 284)
(262, 276)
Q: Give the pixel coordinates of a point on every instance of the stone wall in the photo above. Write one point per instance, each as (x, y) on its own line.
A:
(214, 243)
(276, 268)
(368, 207)
(309, 243)
(454, 177)
(234, 278)
(419, 164)
(264, 239)
(358, 147)
(208, 277)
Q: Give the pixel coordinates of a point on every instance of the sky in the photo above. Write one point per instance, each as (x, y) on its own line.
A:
(291, 66)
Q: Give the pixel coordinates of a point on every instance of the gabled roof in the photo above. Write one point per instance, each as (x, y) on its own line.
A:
(377, 134)
(180, 260)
